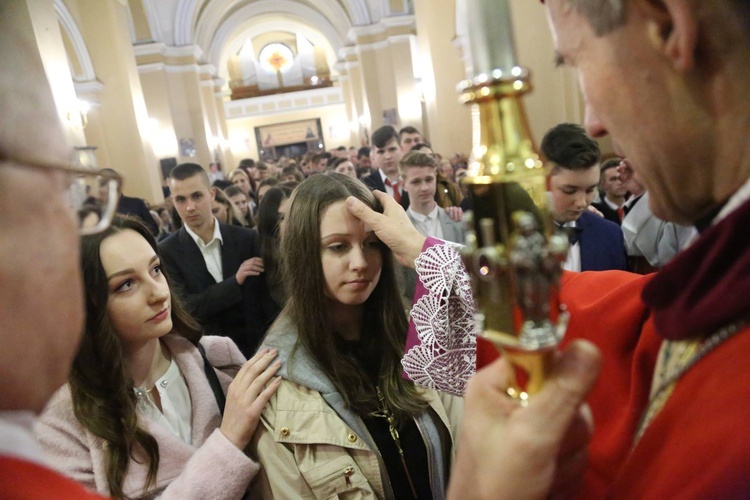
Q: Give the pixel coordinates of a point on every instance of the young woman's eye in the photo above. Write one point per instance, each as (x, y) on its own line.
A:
(372, 244)
(338, 247)
(125, 286)
(156, 269)
(214, 211)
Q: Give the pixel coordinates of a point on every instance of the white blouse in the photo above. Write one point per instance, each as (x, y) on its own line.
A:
(175, 402)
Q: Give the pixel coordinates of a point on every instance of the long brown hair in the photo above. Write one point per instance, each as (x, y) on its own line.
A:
(102, 391)
(384, 323)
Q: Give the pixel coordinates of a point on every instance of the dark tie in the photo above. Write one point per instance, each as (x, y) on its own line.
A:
(574, 233)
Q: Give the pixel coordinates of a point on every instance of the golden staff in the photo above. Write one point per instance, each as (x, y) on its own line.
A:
(512, 253)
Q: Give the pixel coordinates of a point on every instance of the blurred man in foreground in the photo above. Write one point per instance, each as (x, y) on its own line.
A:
(41, 296)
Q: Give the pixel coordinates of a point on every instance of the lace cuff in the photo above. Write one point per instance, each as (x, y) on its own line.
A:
(441, 342)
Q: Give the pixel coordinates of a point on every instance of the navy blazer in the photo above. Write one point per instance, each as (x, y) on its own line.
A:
(219, 307)
(602, 244)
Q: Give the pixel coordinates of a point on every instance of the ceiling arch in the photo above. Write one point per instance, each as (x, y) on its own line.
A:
(259, 26)
(275, 15)
(79, 45)
(201, 22)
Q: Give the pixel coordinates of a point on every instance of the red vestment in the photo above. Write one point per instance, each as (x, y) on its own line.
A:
(698, 445)
(21, 479)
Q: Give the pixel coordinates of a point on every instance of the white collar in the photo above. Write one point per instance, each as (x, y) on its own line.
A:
(573, 223)
(611, 204)
(199, 241)
(738, 198)
(423, 218)
(383, 177)
(17, 438)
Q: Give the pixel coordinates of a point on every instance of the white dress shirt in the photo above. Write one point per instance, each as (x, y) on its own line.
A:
(211, 251)
(389, 189)
(612, 205)
(427, 225)
(573, 262)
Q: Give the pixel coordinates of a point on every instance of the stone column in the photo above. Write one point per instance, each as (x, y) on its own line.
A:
(123, 119)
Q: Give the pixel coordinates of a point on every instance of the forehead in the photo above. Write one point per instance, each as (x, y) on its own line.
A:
(124, 250)
(570, 29)
(582, 178)
(393, 143)
(419, 172)
(611, 173)
(187, 186)
(336, 219)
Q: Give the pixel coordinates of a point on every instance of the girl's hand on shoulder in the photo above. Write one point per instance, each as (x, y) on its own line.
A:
(247, 395)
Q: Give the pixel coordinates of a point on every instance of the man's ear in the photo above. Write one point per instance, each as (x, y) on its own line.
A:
(212, 192)
(674, 31)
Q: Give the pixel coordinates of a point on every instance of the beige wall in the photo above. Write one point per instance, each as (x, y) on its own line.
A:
(123, 124)
(449, 122)
(46, 28)
(242, 130)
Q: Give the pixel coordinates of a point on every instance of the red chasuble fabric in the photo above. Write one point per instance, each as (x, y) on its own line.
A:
(21, 480)
(698, 446)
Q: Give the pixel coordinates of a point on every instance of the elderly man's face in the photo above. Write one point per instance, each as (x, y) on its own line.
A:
(41, 292)
(633, 90)
(41, 295)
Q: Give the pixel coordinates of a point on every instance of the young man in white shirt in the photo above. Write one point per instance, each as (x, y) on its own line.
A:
(386, 155)
(210, 262)
(419, 177)
(613, 191)
(408, 137)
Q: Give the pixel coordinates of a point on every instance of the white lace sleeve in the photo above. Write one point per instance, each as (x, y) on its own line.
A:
(444, 357)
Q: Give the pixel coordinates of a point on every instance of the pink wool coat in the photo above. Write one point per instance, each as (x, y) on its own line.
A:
(209, 467)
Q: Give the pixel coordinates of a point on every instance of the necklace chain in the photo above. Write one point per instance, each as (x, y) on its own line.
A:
(662, 393)
(387, 414)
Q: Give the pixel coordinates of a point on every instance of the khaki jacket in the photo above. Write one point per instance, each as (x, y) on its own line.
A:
(311, 446)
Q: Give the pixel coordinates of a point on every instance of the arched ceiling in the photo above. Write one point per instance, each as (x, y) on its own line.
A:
(271, 15)
(213, 24)
(220, 27)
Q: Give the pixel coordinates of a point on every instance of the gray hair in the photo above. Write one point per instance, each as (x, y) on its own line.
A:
(604, 15)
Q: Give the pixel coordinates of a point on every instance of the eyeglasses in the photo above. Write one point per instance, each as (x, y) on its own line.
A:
(94, 215)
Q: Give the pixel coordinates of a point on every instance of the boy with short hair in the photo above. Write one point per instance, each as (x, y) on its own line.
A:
(419, 179)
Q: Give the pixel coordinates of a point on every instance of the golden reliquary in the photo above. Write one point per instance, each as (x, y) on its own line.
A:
(512, 253)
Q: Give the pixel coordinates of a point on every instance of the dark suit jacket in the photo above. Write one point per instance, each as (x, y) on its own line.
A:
(374, 181)
(219, 307)
(602, 244)
(609, 212)
(138, 208)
